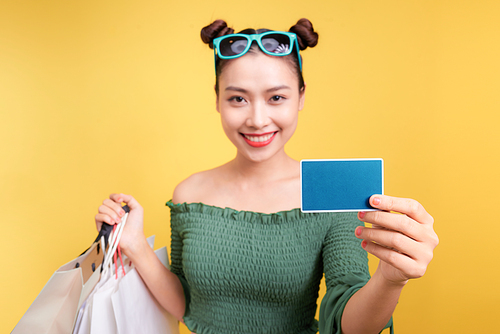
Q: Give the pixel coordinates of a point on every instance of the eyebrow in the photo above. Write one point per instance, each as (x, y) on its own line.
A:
(273, 89)
(236, 89)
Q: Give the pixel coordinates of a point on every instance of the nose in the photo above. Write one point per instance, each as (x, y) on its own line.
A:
(258, 116)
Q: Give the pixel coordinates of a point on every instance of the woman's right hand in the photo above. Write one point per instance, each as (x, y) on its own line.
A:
(163, 284)
(111, 212)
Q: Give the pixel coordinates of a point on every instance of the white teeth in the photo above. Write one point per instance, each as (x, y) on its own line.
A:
(258, 139)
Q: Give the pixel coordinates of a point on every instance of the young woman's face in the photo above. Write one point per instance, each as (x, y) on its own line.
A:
(258, 102)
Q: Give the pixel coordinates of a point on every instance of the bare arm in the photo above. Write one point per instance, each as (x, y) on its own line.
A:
(371, 307)
(404, 243)
(163, 284)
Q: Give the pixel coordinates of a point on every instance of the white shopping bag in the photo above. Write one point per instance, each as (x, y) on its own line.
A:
(55, 308)
(96, 313)
(103, 319)
(121, 303)
(82, 325)
(83, 322)
(136, 309)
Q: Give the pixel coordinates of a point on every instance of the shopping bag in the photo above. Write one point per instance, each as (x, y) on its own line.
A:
(55, 308)
(121, 303)
(136, 309)
(103, 319)
(100, 295)
(83, 322)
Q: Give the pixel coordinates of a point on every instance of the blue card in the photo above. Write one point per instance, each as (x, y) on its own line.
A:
(340, 185)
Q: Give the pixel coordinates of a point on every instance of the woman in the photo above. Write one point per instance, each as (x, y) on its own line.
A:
(244, 258)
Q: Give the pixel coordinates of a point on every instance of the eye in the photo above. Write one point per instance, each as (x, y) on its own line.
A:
(237, 99)
(277, 98)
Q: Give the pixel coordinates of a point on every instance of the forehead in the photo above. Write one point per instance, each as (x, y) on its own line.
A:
(259, 69)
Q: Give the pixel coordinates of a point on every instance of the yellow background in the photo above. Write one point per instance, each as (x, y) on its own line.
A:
(117, 96)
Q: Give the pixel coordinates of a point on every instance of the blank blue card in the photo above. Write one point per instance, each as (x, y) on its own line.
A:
(340, 185)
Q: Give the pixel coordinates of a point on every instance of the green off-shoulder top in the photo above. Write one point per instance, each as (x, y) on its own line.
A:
(249, 272)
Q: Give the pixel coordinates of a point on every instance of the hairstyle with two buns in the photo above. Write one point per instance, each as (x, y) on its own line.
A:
(306, 37)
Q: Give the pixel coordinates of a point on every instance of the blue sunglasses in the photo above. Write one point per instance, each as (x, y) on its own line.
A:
(273, 43)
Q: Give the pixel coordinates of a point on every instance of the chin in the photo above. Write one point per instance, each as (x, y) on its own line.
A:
(258, 155)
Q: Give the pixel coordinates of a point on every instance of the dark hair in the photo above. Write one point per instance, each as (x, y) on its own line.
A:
(306, 37)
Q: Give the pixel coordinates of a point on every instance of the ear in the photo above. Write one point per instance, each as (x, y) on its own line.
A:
(216, 100)
(302, 97)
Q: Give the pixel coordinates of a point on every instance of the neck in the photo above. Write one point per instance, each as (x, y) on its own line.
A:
(279, 166)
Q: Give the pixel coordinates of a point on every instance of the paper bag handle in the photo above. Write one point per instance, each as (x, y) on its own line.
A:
(105, 231)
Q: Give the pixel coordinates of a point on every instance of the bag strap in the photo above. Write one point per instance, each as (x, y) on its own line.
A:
(105, 232)
(114, 242)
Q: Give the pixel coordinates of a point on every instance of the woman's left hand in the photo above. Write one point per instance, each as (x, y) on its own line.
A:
(402, 237)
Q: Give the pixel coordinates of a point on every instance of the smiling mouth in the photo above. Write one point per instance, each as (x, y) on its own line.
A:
(259, 140)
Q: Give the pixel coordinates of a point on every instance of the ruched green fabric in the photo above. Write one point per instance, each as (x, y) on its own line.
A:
(249, 272)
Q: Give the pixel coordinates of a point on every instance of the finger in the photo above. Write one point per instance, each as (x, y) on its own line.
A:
(116, 197)
(107, 210)
(409, 267)
(115, 207)
(395, 222)
(128, 199)
(407, 206)
(101, 218)
(390, 239)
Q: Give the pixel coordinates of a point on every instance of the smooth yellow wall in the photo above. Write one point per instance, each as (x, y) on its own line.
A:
(116, 96)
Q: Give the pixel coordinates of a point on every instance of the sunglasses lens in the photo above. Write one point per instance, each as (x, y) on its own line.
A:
(276, 43)
(233, 46)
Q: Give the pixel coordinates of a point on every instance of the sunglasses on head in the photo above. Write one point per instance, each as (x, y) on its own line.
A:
(273, 43)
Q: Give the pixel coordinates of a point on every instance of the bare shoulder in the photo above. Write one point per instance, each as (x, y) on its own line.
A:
(194, 188)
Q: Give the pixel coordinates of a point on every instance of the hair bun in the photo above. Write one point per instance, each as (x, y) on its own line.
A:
(216, 29)
(306, 35)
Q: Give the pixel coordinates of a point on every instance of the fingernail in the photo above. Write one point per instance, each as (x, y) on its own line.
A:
(121, 213)
(376, 200)
(364, 243)
(362, 214)
(358, 230)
